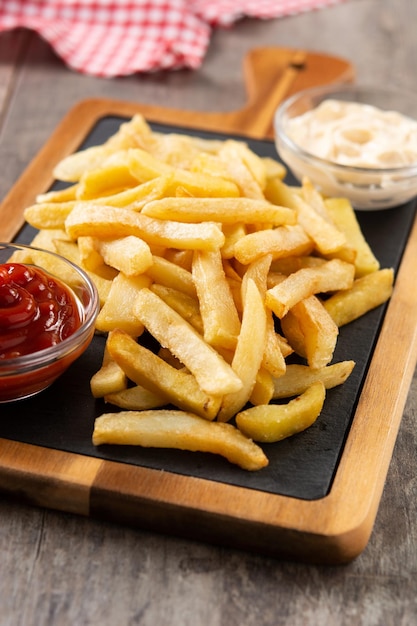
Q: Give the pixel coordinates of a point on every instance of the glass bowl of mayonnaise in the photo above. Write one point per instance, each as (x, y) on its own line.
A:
(352, 141)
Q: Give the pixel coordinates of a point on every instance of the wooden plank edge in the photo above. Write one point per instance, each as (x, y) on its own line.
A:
(47, 477)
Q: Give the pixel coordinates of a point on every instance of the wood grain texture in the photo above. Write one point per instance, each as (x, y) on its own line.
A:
(58, 568)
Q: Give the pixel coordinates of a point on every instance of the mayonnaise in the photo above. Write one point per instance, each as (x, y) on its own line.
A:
(350, 133)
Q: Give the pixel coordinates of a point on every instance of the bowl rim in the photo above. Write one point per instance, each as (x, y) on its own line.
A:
(327, 90)
(40, 358)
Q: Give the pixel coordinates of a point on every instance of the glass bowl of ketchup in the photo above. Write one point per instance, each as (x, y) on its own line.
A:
(48, 308)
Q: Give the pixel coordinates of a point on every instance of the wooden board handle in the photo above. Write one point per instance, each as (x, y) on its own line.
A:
(270, 75)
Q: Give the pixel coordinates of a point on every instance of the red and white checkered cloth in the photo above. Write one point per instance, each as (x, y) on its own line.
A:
(120, 37)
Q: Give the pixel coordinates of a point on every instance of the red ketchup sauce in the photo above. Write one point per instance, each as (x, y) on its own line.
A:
(36, 310)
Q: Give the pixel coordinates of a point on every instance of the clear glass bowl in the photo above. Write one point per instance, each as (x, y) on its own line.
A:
(26, 375)
(368, 188)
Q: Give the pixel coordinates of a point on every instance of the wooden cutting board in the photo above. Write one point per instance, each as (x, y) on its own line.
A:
(58, 469)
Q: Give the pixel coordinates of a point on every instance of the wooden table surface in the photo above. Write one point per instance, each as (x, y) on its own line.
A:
(58, 569)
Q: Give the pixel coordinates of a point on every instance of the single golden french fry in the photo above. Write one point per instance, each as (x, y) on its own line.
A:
(249, 351)
(185, 183)
(344, 217)
(280, 242)
(58, 195)
(314, 199)
(135, 398)
(263, 389)
(147, 369)
(224, 210)
(118, 309)
(130, 255)
(72, 167)
(110, 378)
(311, 331)
(273, 169)
(180, 430)
(273, 359)
(331, 276)
(366, 293)
(220, 318)
(107, 180)
(274, 422)
(298, 377)
(212, 372)
(106, 222)
(49, 214)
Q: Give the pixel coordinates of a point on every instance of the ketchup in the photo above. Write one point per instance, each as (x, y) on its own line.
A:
(36, 310)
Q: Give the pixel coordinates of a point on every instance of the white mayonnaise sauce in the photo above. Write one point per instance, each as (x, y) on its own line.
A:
(355, 134)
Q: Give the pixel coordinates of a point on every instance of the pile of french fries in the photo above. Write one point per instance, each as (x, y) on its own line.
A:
(201, 245)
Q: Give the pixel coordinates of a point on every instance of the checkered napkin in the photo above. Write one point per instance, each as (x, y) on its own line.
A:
(105, 38)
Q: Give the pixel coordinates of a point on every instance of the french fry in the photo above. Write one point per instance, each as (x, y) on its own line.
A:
(135, 398)
(118, 309)
(181, 430)
(331, 276)
(298, 377)
(49, 214)
(273, 360)
(148, 370)
(311, 331)
(110, 378)
(280, 242)
(112, 222)
(366, 293)
(224, 210)
(212, 372)
(249, 351)
(104, 181)
(58, 195)
(274, 422)
(345, 219)
(263, 389)
(221, 324)
(71, 168)
(130, 255)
